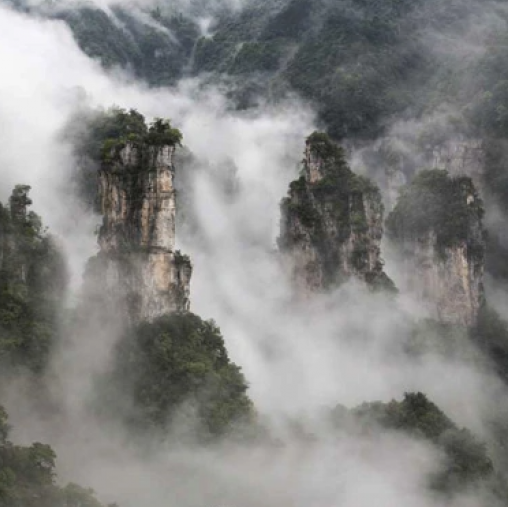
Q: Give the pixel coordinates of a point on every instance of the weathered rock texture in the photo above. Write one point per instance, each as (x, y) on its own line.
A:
(459, 156)
(137, 262)
(332, 222)
(438, 234)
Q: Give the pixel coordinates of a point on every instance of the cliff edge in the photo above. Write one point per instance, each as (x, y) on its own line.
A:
(332, 222)
(437, 230)
(137, 264)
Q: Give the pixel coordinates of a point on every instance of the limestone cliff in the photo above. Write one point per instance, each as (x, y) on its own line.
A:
(137, 262)
(439, 240)
(460, 156)
(332, 222)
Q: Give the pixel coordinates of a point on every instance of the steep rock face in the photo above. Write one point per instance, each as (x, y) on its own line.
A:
(450, 285)
(459, 156)
(438, 234)
(332, 222)
(137, 259)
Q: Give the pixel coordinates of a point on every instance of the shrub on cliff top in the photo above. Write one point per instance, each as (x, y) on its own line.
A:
(324, 147)
(110, 130)
(161, 133)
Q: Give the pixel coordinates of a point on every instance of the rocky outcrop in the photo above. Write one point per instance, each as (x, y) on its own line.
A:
(137, 264)
(449, 284)
(458, 155)
(439, 240)
(332, 222)
(461, 157)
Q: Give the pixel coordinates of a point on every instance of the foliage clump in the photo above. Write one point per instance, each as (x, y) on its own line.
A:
(467, 462)
(118, 127)
(109, 131)
(28, 477)
(361, 63)
(99, 137)
(324, 147)
(358, 64)
(161, 133)
(32, 284)
(448, 207)
(175, 365)
(128, 41)
(182, 259)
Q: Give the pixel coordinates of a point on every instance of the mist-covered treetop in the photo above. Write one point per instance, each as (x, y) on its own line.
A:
(321, 144)
(28, 476)
(174, 362)
(112, 129)
(467, 462)
(337, 176)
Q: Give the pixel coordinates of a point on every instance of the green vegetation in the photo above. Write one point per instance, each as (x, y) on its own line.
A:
(449, 207)
(467, 462)
(160, 133)
(361, 62)
(175, 364)
(338, 190)
(356, 62)
(109, 131)
(256, 56)
(27, 476)
(112, 130)
(182, 259)
(332, 209)
(32, 284)
(158, 54)
(99, 136)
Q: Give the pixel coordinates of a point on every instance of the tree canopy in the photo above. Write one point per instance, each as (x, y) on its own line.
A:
(33, 279)
(176, 363)
(467, 462)
(28, 478)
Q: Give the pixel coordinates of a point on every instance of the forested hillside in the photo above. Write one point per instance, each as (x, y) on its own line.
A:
(362, 63)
